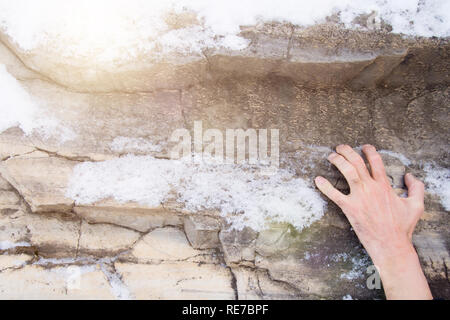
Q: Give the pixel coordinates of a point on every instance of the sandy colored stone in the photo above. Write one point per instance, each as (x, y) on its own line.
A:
(238, 246)
(12, 149)
(4, 185)
(13, 226)
(42, 194)
(52, 235)
(89, 123)
(256, 285)
(34, 282)
(105, 238)
(165, 244)
(9, 199)
(13, 261)
(14, 65)
(129, 215)
(144, 74)
(14, 143)
(95, 120)
(177, 280)
(202, 231)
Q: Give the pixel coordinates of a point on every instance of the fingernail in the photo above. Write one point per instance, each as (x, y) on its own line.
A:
(319, 180)
(331, 156)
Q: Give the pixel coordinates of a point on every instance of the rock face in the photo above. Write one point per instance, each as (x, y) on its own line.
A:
(320, 86)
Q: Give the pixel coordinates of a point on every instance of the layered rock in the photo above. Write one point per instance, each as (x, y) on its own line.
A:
(320, 86)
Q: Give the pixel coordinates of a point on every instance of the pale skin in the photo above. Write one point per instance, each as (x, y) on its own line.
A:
(383, 221)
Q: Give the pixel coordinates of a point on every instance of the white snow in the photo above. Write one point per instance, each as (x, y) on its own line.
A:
(121, 29)
(242, 195)
(6, 245)
(437, 181)
(118, 288)
(403, 159)
(18, 108)
(338, 257)
(358, 269)
(69, 269)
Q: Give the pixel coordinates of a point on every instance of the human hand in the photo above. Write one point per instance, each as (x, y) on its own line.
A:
(383, 221)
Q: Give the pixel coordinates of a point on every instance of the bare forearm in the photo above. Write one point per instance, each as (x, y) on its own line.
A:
(402, 276)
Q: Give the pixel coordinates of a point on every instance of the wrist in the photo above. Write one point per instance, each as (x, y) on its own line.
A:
(401, 273)
(395, 256)
(397, 265)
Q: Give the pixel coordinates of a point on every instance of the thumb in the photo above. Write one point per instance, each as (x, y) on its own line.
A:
(416, 187)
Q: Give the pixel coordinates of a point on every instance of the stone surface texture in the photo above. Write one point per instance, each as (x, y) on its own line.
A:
(320, 86)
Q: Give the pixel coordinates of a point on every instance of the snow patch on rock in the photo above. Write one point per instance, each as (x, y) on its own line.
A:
(438, 182)
(403, 159)
(359, 267)
(19, 109)
(124, 29)
(241, 194)
(6, 245)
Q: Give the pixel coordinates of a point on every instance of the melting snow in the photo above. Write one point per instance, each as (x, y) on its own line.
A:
(438, 182)
(18, 108)
(118, 288)
(403, 159)
(6, 245)
(111, 29)
(68, 268)
(240, 193)
(359, 267)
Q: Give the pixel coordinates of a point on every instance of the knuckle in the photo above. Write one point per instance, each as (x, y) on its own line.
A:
(376, 157)
(350, 172)
(340, 201)
(337, 159)
(420, 207)
(341, 162)
(358, 161)
(354, 180)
